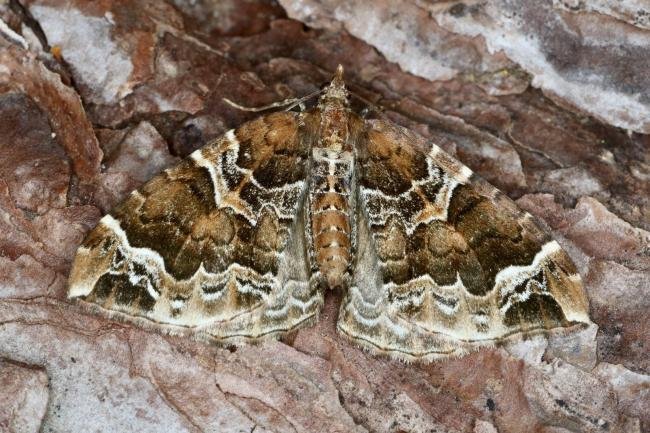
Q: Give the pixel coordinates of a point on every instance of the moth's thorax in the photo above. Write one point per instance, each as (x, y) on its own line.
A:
(333, 133)
(330, 192)
(334, 113)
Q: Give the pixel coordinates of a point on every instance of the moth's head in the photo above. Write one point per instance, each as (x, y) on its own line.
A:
(336, 90)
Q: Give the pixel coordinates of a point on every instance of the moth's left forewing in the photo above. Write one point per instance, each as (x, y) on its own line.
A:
(213, 246)
(457, 263)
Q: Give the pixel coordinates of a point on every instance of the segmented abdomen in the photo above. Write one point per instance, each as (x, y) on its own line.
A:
(330, 211)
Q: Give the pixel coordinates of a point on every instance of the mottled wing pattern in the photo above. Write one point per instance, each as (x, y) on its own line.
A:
(215, 246)
(445, 261)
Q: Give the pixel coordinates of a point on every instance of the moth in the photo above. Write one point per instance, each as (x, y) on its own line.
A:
(239, 242)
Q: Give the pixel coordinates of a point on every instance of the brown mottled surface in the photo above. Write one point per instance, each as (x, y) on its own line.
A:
(110, 93)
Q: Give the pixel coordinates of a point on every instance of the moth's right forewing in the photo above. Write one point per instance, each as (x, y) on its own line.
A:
(446, 262)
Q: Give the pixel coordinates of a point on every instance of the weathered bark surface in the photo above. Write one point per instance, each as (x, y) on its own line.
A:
(96, 97)
(588, 55)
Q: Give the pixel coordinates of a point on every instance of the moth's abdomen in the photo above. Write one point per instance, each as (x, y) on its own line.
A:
(330, 215)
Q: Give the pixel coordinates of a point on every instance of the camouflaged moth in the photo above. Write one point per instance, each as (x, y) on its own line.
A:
(238, 242)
